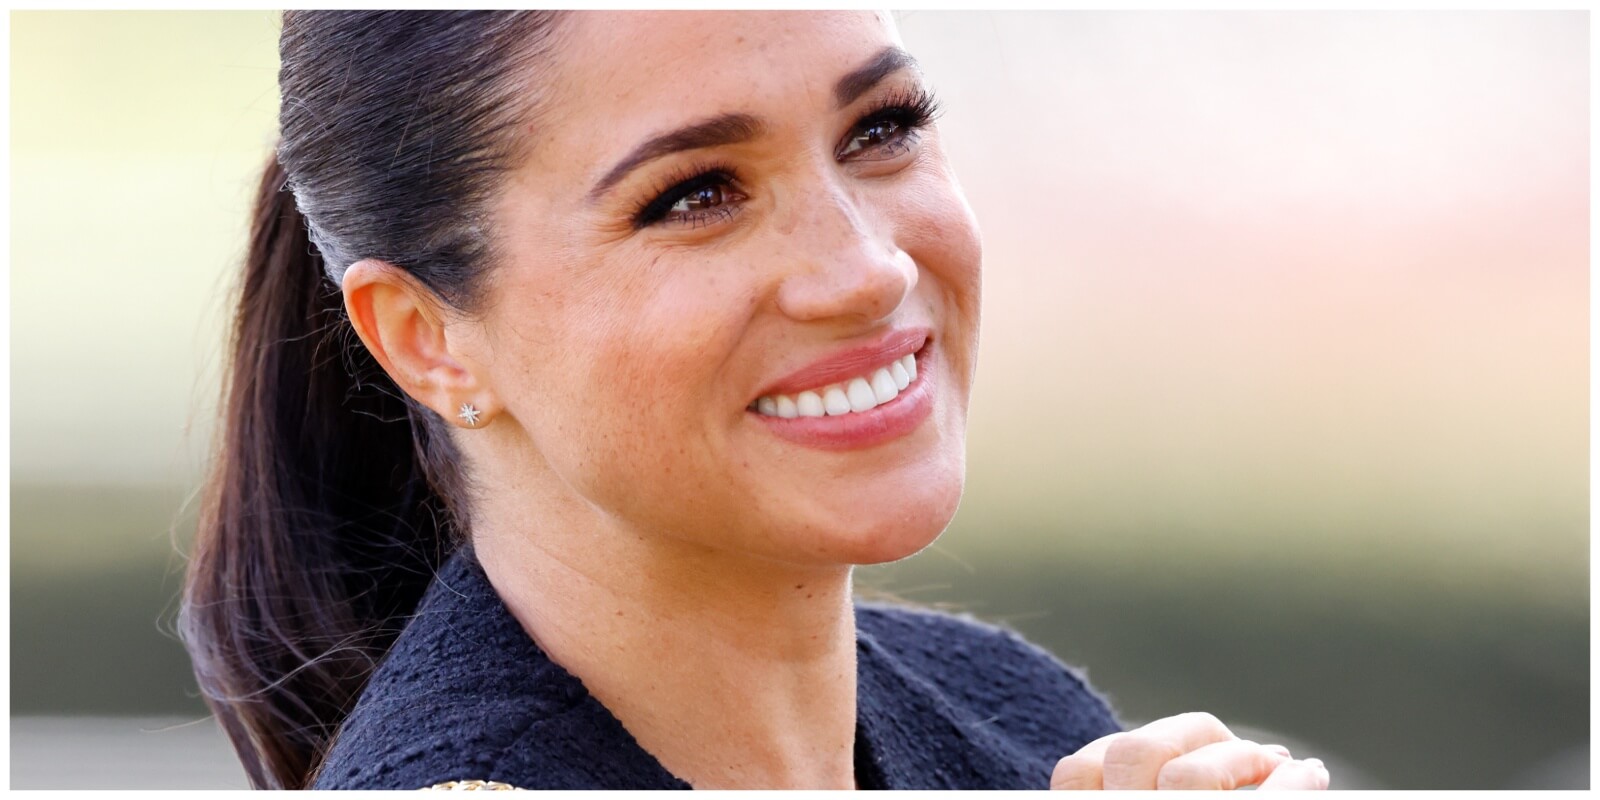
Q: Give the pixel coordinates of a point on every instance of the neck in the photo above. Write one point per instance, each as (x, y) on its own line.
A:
(734, 672)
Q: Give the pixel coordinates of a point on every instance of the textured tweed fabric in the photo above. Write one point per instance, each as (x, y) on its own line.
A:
(943, 702)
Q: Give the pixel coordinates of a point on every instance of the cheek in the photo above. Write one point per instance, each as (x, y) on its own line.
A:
(647, 389)
(672, 330)
(936, 227)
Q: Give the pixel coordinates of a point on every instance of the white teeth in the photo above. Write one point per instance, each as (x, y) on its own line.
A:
(883, 388)
(834, 402)
(786, 407)
(902, 379)
(809, 404)
(860, 394)
(853, 396)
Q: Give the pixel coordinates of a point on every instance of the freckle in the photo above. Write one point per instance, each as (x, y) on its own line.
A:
(809, 595)
(619, 613)
(799, 586)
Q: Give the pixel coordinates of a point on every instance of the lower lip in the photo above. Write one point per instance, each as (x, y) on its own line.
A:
(856, 430)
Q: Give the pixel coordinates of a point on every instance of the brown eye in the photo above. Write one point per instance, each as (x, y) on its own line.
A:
(700, 199)
(871, 136)
(695, 202)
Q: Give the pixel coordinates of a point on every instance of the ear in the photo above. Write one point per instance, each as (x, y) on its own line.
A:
(405, 327)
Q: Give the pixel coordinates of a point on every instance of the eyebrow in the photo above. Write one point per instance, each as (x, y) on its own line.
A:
(725, 129)
(888, 61)
(718, 130)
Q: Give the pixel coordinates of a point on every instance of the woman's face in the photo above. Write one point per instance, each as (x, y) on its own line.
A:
(718, 208)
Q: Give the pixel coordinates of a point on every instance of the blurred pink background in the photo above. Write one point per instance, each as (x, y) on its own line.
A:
(1257, 271)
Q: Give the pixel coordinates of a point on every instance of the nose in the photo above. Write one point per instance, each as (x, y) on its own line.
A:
(840, 267)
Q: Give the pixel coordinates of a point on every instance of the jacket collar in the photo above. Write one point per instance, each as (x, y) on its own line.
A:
(465, 670)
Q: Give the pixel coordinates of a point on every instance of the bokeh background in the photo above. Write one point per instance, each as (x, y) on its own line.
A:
(1282, 408)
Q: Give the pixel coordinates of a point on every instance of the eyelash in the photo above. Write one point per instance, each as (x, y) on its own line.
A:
(911, 111)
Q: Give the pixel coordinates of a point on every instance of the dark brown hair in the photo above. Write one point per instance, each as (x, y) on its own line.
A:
(332, 497)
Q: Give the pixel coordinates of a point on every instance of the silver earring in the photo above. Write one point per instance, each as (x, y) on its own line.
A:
(469, 414)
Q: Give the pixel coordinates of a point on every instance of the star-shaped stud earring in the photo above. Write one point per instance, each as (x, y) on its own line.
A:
(469, 414)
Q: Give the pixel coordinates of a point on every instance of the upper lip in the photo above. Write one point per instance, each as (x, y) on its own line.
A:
(853, 361)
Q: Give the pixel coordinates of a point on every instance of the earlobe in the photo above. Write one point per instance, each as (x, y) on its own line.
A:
(407, 329)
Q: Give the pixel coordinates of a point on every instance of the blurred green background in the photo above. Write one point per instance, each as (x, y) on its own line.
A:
(1282, 407)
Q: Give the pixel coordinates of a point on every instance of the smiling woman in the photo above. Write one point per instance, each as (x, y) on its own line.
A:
(578, 360)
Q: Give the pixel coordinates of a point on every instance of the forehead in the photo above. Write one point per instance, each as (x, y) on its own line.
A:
(623, 75)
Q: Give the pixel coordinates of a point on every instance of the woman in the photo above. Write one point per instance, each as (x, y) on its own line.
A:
(665, 322)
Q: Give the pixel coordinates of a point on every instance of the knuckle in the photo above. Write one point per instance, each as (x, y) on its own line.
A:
(1073, 782)
(1208, 722)
(1072, 772)
(1128, 748)
(1191, 775)
(1136, 749)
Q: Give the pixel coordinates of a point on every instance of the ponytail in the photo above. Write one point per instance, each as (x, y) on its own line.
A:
(323, 517)
(333, 497)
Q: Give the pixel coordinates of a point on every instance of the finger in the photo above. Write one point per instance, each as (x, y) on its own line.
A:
(1223, 765)
(1307, 774)
(1081, 770)
(1133, 760)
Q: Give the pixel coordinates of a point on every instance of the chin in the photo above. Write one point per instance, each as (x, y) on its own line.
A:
(894, 530)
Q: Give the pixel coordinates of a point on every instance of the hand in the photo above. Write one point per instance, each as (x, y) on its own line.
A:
(1188, 751)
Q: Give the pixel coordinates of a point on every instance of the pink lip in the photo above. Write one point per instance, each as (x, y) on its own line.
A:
(891, 420)
(851, 362)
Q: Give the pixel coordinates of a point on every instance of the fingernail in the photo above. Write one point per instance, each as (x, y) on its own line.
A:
(1317, 762)
(1279, 749)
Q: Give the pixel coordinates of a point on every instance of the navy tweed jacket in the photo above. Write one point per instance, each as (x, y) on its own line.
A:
(943, 702)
